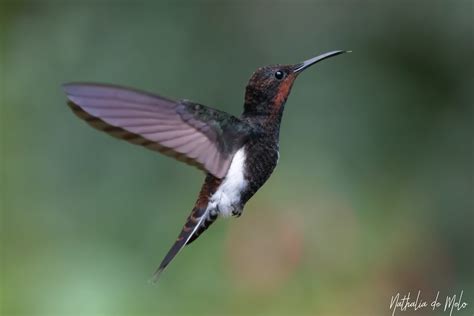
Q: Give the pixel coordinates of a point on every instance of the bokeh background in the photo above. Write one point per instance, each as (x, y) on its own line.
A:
(373, 194)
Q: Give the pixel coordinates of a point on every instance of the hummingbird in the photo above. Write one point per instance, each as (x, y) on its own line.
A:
(237, 154)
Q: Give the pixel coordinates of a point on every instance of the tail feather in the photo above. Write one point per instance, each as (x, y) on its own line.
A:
(197, 222)
(210, 218)
(194, 221)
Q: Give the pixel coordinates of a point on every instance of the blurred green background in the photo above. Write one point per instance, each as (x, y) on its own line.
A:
(373, 194)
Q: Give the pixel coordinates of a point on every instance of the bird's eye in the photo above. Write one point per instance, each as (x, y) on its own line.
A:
(279, 74)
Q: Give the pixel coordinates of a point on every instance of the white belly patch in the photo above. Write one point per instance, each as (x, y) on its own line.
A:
(227, 198)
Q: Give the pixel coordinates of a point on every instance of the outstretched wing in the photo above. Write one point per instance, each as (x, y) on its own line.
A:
(187, 131)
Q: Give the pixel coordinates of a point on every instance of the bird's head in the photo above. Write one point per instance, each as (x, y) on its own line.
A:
(269, 86)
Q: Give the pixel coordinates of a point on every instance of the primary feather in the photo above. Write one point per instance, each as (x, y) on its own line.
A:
(190, 132)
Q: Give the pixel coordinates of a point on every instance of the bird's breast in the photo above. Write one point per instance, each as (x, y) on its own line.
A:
(227, 198)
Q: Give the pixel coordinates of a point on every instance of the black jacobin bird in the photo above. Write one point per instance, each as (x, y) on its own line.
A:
(238, 155)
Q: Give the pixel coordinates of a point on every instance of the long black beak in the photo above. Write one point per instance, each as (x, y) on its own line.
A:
(300, 67)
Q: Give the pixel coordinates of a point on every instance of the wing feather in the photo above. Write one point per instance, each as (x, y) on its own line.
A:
(189, 132)
(197, 144)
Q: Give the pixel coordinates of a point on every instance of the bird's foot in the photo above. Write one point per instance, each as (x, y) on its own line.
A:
(237, 211)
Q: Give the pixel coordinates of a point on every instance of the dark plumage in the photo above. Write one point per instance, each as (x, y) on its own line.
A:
(237, 154)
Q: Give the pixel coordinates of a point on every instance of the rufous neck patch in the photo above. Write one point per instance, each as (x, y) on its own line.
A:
(283, 91)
